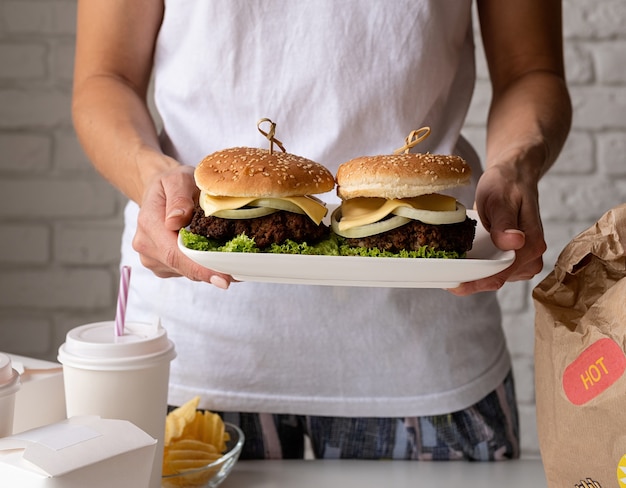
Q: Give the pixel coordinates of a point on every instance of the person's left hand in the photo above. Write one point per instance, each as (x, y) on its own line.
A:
(508, 206)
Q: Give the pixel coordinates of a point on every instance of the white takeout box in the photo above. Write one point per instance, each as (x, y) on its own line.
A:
(41, 398)
(79, 452)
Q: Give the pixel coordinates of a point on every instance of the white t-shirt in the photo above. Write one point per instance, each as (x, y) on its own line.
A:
(341, 79)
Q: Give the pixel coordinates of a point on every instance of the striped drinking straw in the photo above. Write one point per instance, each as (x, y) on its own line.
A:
(122, 298)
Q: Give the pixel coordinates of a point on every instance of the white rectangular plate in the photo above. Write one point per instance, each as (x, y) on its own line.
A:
(482, 261)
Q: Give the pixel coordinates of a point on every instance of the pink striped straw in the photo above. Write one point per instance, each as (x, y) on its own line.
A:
(122, 298)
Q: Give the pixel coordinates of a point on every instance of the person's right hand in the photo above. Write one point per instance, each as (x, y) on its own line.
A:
(166, 206)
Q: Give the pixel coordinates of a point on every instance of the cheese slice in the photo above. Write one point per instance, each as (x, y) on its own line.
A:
(311, 206)
(363, 211)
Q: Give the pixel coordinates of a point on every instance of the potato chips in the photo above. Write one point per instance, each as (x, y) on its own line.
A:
(193, 439)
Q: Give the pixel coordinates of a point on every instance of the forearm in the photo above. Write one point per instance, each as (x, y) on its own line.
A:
(528, 123)
(118, 134)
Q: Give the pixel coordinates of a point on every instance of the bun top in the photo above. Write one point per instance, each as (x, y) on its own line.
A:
(252, 172)
(400, 175)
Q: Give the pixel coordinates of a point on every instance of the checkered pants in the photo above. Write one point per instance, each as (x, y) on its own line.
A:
(486, 431)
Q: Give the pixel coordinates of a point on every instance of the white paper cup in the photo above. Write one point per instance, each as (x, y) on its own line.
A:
(9, 385)
(123, 377)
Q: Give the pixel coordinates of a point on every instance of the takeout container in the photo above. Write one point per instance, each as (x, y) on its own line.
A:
(76, 453)
(9, 386)
(40, 400)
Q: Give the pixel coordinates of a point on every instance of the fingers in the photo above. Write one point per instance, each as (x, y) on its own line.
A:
(495, 282)
(491, 283)
(508, 233)
(162, 256)
(219, 281)
(527, 264)
(178, 262)
(167, 206)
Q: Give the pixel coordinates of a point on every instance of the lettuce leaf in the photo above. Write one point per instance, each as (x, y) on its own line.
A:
(333, 246)
(197, 242)
(422, 252)
(327, 247)
(243, 243)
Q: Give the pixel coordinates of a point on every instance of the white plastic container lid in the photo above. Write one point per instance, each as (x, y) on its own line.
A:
(9, 378)
(95, 346)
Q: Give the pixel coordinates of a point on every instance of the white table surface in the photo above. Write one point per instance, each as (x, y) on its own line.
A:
(526, 473)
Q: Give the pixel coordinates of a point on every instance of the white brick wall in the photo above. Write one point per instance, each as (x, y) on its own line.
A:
(60, 223)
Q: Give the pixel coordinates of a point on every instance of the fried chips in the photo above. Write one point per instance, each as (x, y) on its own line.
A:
(193, 439)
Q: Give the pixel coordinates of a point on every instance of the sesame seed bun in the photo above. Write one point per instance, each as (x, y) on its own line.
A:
(400, 175)
(252, 172)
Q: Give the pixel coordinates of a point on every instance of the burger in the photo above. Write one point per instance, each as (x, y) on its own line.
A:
(392, 206)
(259, 200)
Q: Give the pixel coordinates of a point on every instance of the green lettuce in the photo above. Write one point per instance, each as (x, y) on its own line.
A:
(243, 243)
(333, 246)
(197, 242)
(327, 247)
(422, 252)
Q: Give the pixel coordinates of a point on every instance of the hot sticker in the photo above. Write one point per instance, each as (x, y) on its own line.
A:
(595, 370)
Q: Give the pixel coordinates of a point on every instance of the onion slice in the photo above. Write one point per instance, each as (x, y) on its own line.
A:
(366, 230)
(245, 213)
(278, 204)
(434, 217)
(259, 208)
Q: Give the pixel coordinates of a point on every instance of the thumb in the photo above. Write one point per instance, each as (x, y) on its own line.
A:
(179, 189)
(178, 211)
(506, 235)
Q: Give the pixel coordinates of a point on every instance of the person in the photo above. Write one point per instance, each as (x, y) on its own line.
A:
(364, 372)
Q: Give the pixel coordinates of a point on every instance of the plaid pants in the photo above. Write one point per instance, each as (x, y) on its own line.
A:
(486, 431)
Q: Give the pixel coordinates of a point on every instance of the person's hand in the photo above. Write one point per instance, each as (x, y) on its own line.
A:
(507, 204)
(167, 205)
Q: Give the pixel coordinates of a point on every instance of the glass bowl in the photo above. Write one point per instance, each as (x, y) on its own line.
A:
(212, 474)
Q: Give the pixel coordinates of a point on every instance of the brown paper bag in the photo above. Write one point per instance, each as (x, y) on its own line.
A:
(580, 359)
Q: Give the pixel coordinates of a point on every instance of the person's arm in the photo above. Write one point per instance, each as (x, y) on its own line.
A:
(114, 52)
(529, 119)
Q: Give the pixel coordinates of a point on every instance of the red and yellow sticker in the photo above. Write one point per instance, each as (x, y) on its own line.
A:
(595, 370)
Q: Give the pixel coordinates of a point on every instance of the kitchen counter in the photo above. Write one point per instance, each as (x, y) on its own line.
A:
(527, 473)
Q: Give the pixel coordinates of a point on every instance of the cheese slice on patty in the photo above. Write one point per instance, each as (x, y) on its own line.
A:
(433, 208)
(310, 206)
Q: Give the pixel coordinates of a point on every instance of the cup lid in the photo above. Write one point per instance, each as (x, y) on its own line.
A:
(6, 369)
(97, 345)
(8, 376)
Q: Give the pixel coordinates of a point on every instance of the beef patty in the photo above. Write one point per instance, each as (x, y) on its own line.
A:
(270, 229)
(415, 234)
